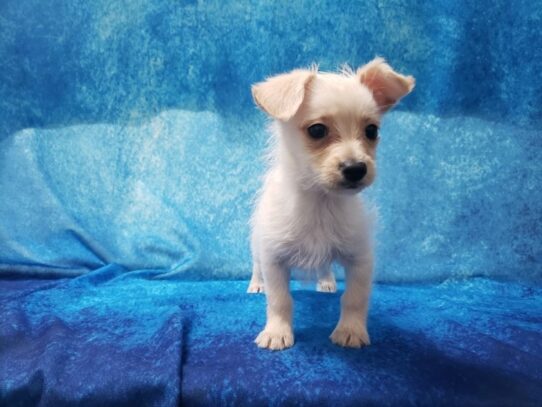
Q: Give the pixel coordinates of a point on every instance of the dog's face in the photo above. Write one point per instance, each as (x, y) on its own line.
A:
(330, 121)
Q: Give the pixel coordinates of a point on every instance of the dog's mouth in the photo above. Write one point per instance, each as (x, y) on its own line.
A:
(351, 186)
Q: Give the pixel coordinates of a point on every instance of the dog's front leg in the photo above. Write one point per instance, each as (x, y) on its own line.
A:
(277, 333)
(351, 331)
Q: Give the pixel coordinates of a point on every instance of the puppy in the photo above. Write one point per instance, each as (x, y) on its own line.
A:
(308, 214)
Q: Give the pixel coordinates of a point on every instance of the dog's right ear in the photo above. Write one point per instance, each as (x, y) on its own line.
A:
(281, 96)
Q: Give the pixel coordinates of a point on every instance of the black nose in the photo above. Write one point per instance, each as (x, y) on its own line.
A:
(354, 172)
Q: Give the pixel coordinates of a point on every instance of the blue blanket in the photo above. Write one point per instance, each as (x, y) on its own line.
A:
(153, 196)
(128, 134)
(129, 159)
(117, 338)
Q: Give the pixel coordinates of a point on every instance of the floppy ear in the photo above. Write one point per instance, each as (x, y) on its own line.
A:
(386, 85)
(282, 95)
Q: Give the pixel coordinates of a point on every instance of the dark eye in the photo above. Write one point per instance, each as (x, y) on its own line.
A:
(371, 132)
(317, 131)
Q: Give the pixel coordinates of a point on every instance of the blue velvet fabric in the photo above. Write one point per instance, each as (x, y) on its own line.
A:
(128, 134)
(129, 159)
(113, 337)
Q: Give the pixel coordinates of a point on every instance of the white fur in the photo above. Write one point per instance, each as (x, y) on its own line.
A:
(304, 217)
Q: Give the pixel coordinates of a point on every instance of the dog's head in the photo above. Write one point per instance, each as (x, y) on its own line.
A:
(330, 121)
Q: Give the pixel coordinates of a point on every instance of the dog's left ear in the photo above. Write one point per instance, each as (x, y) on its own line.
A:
(387, 86)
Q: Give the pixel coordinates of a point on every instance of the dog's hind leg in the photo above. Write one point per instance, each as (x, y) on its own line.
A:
(256, 282)
(326, 281)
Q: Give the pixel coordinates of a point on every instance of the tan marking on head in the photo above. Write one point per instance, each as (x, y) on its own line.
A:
(327, 154)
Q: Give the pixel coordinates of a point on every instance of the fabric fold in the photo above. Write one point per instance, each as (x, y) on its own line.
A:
(99, 339)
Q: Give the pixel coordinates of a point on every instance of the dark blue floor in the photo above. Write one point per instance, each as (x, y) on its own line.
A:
(116, 338)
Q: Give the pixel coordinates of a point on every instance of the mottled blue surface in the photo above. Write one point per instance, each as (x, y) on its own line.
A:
(128, 136)
(175, 193)
(117, 338)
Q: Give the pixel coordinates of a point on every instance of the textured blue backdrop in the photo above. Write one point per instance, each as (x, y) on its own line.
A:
(128, 134)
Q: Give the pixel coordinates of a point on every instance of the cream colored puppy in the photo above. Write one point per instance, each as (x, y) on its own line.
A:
(309, 214)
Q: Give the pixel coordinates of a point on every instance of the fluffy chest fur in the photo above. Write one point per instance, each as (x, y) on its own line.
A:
(306, 229)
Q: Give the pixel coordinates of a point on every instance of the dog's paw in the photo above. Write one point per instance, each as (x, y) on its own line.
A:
(276, 339)
(326, 286)
(350, 336)
(255, 287)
